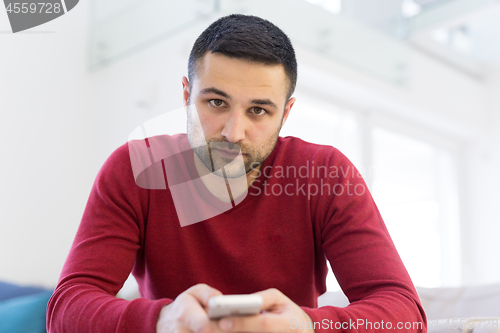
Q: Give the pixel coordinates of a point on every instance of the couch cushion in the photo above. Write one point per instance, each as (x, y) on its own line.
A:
(8, 290)
(24, 314)
(462, 302)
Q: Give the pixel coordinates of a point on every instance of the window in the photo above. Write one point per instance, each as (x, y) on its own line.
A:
(414, 185)
(324, 123)
(412, 179)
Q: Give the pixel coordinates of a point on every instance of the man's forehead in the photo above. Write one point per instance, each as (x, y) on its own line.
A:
(226, 73)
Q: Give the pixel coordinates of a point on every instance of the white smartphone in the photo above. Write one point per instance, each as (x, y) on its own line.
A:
(234, 305)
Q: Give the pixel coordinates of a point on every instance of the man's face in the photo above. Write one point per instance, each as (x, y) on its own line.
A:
(235, 105)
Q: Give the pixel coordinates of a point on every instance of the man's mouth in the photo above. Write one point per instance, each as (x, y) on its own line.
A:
(229, 153)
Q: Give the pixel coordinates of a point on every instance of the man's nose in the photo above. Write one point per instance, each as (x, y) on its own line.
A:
(234, 128)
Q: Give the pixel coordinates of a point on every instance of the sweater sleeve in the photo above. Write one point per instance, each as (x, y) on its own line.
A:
(101, 257)
(365, 262)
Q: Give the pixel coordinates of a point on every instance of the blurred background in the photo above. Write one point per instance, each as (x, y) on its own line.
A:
(409, 90)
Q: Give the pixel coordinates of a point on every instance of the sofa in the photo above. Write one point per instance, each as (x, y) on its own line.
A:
(471, 309)
(23, 308)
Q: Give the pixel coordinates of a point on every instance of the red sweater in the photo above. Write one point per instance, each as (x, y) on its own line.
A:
(267, 240)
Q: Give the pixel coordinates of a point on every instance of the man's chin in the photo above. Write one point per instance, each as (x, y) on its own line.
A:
(231, 173)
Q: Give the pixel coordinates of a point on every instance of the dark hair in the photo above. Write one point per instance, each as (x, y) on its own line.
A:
(246, 37)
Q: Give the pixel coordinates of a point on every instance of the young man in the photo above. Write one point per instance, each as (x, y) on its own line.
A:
(268, 234)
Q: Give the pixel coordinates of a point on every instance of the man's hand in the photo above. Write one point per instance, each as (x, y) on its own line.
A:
(187, 313)
(280, 314)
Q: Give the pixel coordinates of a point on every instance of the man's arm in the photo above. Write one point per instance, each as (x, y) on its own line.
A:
(101, 258)
(366, 263)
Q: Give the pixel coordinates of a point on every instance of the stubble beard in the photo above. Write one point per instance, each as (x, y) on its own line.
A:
(221, 166)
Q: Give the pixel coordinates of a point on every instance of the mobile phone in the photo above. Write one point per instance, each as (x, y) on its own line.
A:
(234, 305)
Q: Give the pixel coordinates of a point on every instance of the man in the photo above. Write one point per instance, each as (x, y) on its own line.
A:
(300, 203)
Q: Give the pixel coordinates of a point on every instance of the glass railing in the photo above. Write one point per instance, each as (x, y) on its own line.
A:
(121, 28)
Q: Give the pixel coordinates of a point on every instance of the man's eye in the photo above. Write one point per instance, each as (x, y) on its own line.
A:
(216, 102)
(258, 111)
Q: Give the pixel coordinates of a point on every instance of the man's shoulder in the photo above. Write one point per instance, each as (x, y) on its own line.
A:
(293, 141)
(136, 155)
(297, 150)
(153, 147)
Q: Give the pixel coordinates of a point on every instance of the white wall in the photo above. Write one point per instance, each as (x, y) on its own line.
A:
(482, 192)
(60, 122)
(46, 139)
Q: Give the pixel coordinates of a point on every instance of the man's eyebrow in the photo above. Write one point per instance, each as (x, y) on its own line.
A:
(264, 102)
(214, 91)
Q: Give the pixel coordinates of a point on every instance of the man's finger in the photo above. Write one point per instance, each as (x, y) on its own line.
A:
(271, 298)
(203, 292)
(196, 319)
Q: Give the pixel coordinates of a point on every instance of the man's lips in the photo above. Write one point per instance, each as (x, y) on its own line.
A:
(230, 153)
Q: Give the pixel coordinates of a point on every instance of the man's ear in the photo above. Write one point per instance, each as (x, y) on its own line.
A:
(288, 107)
(185, 90)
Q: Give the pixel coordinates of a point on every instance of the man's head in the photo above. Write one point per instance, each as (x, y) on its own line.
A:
(242, 72)
(246, 37)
